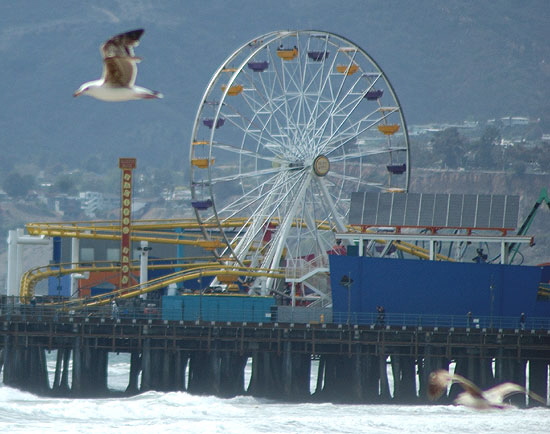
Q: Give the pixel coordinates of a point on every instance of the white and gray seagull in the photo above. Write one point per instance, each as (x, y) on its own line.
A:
(119, 71)
(473, 396)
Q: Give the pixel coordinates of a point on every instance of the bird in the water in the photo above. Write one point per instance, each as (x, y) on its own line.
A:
(473, 396)
(119, 71)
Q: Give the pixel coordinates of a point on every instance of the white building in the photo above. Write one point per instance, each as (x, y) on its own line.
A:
(91, 201)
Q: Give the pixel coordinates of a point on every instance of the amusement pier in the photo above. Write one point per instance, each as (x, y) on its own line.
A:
(308, 271)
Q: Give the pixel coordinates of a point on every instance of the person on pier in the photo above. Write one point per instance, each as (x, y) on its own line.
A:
(114, 310)
(381, 320)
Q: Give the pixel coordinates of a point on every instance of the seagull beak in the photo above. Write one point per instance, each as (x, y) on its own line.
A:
(77, 93)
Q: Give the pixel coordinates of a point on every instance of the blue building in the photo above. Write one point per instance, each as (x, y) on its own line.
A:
(436, 291)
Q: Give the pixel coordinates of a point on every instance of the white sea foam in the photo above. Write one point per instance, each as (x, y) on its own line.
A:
(180, 412)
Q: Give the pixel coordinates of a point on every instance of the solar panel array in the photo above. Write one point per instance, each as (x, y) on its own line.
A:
(476, 211)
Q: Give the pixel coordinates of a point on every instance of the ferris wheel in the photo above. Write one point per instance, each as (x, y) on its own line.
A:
(289, 126)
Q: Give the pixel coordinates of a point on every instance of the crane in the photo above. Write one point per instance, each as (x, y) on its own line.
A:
(513, 248)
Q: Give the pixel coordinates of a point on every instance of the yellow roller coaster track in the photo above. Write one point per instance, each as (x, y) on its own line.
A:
(163, 231)
(31, 277)
(420, 252)
(192, 272)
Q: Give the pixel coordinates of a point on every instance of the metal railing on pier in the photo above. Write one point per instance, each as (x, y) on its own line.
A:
(52, 310)
(436, 320)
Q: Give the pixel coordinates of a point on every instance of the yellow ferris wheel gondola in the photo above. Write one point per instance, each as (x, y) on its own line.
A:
(347, 69)
(202, 163)
(234, 90)
(388, 130)
(287, 53)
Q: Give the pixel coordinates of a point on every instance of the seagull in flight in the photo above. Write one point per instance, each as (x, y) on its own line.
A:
(119, 71)
(473, 396)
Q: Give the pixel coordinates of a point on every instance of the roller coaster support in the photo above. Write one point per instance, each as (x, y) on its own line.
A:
(75, 258)
(144, 262)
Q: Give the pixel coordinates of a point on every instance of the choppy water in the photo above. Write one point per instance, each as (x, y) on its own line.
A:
(179, 412)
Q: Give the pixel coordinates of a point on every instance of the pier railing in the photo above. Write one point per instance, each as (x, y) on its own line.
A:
(11, 308)
(436, 320)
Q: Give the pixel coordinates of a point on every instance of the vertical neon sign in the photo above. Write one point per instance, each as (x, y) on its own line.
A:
(126, 165)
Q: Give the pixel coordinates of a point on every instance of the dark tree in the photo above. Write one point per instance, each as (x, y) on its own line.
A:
(65, 184)
(485, 148)
(449, 147)
(17, 185)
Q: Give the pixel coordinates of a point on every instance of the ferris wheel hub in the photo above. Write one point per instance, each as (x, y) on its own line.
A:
(321, 165)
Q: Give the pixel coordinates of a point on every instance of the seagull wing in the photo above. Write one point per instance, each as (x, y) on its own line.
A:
(119, 71)
(502, 391)
(119, 61)
(441, 379)
(122, 45)
(467, 385)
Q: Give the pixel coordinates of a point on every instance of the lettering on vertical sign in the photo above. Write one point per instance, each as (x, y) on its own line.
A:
(126, 165)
